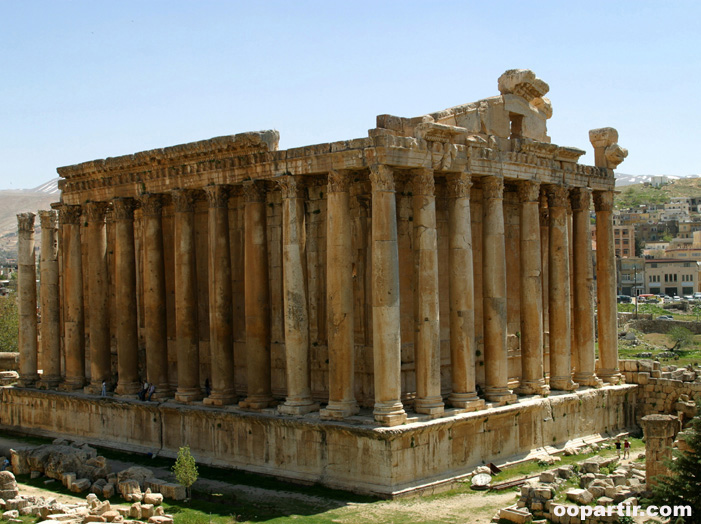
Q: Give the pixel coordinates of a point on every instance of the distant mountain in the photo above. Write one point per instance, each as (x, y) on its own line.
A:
(626, 180)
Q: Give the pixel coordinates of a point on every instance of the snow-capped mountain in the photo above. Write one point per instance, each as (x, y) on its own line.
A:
(623, 179)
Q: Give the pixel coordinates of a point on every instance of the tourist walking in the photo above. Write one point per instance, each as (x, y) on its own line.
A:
(618, 447)
(626, 449)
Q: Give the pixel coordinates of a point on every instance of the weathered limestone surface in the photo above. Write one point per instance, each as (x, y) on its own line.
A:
(27, 301)
(659, 431)
(50, 326)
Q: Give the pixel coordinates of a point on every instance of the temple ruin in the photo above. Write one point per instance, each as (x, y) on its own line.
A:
(376, 314)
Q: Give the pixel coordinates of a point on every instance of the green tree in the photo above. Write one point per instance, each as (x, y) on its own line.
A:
(185, 469)
(681, 487)
(681, 336)
(9, 323)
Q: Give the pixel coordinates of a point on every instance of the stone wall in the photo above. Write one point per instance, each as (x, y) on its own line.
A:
(663, 326)
(9, 361)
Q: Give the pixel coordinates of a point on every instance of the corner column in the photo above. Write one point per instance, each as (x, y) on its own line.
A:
(583, 289)
(386, 329)
(427, 347)
(221, 329)
(494, 292)
(299, 397)
(462, 295)
(100, 357)
(74, 320)
(50, 308)
(126, 329)
(606, 289)
(256, 298)
(339, 293)
(27, 291)
(155, 333)
(532, 372)
(659, 431)
(186, 332)
(559, 296)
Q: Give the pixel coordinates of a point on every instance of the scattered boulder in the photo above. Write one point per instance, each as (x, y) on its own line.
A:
(80, 485)
(8, 485)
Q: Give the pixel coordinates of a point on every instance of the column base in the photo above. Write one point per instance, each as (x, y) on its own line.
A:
(532, 387)
(466, 401)
(298, 407)
(220, 398)
(389, 413)
(429, 406)
(93, 389)
(257, 402)
(562, 384)
(588, 379)
(51, 382)
(500, 395)
(187, 395)
(338, 410)
(610, 376)
(28, 381)
(128, 388)
(72, 383)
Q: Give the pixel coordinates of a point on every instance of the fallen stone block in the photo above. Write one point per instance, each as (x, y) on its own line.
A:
(10, 514)
(80, 485)
(153, 498)
(160, 520)
(513, 514)
(146, 511)
(580, 496)
(94, 518)
(112, 515)
(108, 490)
(547, 476)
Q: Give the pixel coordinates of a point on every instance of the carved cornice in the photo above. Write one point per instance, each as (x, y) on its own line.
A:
(528, 191)
(123, 208)
(25, 222)
(492, 188)
(96, 211)
(253, 192)
(151, 204)
(289, 187)
(580, 198)
(423, 183)
(183, 200)
(459, 185)
(338, 182)
(70, 215)
(382, 178)
(218, 196)
(603, 200)
(48, 219)
(557, 196)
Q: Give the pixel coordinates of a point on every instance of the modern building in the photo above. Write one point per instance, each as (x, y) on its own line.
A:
(672, 276)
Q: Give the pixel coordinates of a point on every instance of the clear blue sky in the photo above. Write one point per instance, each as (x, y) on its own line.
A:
(81, 80)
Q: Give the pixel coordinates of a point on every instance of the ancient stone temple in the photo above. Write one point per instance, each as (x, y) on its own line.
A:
(378, 314)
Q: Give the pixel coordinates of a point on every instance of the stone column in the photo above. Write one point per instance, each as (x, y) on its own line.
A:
(339, 299)
(50, 306)
(221, 329)
(606, 289)
(73, 321)
(462, 296)
(583, 289)
(532, 372)
(98, 287)
(155, 329)
(299, 397)
(427, 346)
(545, 268)
(386, 333)
(186, 332)
(559, 296)
(27, 295)
(494, 292)
(256, 298)
(659, 431)
(126, 327)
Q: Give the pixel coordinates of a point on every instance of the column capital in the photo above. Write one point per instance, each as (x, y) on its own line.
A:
(423, 183)
(253, 191)
(151, 203)
(580, 198)
(603, 200)
(183, 200)
(25, 222)
(459, 185)
(557, 196)
(123, 208)
(289, 186)
(338, 182)
(96, 211)
(70, 215)
(528, 191)
(492, 187)
(382, 178)
(218, 195)
(48, 219)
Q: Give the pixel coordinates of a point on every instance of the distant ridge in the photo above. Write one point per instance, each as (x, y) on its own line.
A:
(623, 179)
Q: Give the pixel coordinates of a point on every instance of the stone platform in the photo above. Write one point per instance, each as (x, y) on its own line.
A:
(356, 454)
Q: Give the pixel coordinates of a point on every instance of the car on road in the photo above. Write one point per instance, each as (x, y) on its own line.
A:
(665, 317)
(624, 299)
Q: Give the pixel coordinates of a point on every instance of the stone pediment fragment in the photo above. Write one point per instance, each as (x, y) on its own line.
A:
(524, 83)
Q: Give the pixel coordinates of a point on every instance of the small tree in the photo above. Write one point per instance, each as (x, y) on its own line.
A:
(681, 487)
(9, 323)
(681, 336)
(185, 469)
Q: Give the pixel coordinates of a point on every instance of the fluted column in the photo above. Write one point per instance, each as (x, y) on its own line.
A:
(27, 291)
(100, 358)
(221, 329)
(256, 298)
(532, 373)
(583, 289)
(339, 293)
(494, 292)
(606, 288)
(559, 267)
(155, 329)
(74, 320)
(126, 326)
(299, 397)
(186, 325)
(386, 329)
(50, 308)
(427, 347)
(462, 295)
